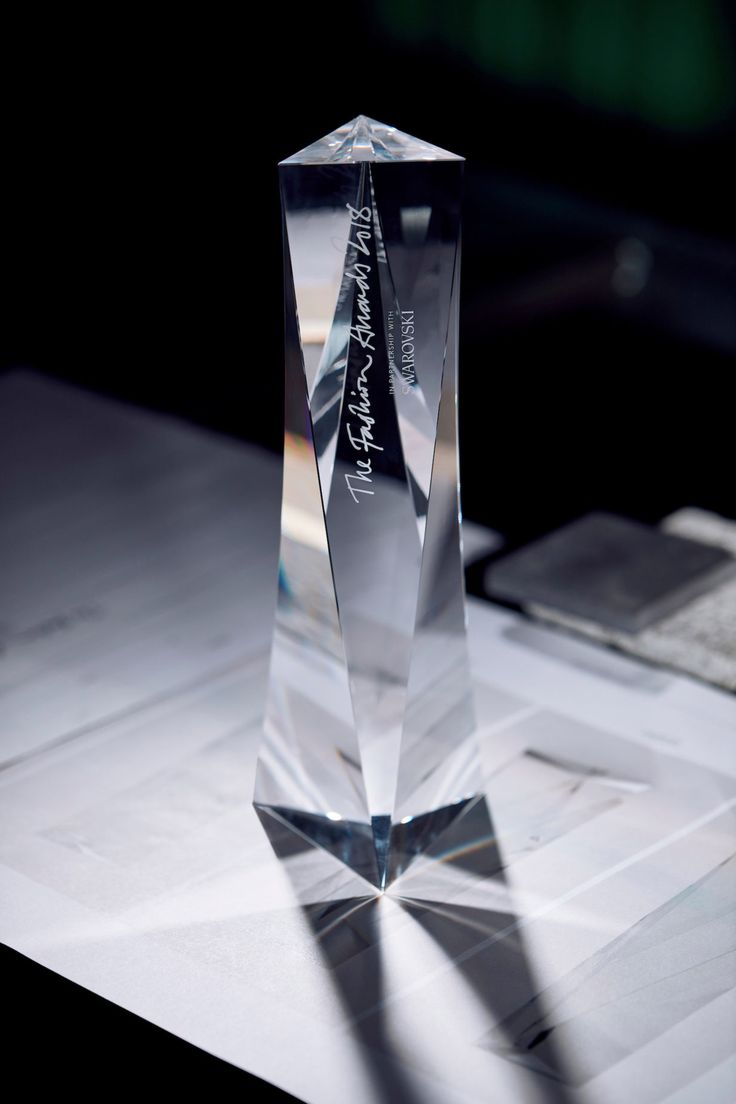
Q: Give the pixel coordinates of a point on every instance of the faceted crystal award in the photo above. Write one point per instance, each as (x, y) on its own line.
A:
(369, 750)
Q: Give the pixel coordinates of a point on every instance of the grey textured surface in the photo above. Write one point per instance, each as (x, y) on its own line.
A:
(700, 637)
(610, 570)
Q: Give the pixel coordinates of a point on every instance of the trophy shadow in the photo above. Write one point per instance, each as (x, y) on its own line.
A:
(456, 896)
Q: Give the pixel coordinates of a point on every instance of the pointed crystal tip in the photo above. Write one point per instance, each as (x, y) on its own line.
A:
(364, 139)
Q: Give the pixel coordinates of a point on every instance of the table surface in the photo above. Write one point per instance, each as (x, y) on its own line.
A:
(595, 963)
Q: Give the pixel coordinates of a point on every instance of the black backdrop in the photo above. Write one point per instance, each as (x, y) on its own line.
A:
(141, 251)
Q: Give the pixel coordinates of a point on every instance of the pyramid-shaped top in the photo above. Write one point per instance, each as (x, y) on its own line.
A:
(364, 139)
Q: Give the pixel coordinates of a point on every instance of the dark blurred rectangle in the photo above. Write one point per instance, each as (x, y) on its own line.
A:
(611, 570)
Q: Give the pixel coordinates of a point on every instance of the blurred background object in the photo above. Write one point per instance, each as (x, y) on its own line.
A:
(141, 237)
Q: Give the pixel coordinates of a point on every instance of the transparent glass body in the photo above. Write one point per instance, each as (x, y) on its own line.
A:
(369, 747)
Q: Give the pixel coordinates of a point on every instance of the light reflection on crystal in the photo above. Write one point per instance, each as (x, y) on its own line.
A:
(369, 746)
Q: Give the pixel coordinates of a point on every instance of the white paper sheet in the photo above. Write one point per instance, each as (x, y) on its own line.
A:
(596, 962)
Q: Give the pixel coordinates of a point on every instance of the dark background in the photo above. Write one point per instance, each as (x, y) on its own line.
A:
(141, 234)
(140, 257)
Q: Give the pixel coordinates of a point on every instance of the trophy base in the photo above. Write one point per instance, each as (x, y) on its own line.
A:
(379, 852)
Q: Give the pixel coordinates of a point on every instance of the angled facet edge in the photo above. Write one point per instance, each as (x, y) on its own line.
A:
(365, 139)
(321, 772)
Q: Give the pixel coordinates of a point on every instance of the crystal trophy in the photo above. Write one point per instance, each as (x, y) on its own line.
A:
(369, 749)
